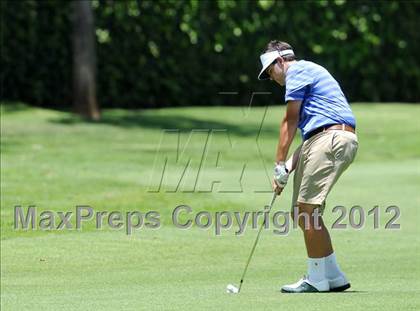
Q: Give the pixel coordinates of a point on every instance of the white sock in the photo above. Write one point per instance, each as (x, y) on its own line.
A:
(316, 269)
(332, 270)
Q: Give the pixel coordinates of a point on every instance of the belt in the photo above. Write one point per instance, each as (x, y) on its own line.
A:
(343, 127)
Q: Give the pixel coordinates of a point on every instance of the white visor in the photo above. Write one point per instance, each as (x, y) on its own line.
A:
(268, 58)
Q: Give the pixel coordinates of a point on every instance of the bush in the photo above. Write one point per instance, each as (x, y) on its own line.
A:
(173, 53)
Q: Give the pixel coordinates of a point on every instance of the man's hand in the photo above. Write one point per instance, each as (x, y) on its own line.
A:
(290, 167)
(281, 175)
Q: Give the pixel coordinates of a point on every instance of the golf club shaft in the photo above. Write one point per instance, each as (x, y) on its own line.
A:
(255, 243)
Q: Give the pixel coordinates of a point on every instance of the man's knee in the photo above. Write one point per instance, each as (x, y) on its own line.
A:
(307, 216)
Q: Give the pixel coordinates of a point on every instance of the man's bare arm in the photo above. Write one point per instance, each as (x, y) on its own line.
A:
(288, 129)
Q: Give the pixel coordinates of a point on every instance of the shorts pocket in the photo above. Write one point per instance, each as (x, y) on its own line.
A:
(344, 147)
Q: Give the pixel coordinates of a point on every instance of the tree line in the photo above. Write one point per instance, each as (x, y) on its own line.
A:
(147, 54)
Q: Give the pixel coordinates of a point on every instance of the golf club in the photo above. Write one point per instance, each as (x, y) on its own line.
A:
(232, 289)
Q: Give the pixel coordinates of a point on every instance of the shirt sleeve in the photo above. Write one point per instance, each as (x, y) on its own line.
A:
(296, 84)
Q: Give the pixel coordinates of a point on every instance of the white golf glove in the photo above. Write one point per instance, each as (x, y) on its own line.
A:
(281, 174)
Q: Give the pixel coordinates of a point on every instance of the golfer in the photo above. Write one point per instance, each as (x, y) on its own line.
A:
(317, 106)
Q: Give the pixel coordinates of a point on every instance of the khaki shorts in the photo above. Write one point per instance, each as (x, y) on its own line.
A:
(322, 160)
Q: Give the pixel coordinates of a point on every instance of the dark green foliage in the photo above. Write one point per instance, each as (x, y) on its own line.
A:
(173, 53)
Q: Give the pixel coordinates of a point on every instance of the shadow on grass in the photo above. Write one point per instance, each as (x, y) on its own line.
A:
(8, 107)
(141, 119)
(337, 293)
(350, 292)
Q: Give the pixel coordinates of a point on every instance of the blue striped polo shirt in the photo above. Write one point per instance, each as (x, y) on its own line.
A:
(323, 101)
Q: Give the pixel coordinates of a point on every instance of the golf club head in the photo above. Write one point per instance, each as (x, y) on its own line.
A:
(232, 289)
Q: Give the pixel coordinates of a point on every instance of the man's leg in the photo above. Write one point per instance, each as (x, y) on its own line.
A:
(321, 162)
(317, 238)
(323, 271)
(319, 248)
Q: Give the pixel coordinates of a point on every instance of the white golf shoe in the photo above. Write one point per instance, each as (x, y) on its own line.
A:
(339, 283)
(306, 286)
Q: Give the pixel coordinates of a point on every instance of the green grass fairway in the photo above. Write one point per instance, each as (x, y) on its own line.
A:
(56, 161)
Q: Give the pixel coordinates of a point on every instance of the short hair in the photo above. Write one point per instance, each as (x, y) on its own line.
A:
(276, 45)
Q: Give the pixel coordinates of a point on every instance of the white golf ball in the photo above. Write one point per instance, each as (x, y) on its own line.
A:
(232, 289)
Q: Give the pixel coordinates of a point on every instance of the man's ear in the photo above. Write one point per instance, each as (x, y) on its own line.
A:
(280, 61)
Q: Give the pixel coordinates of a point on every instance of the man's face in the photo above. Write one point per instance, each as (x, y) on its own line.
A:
(276, 72)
